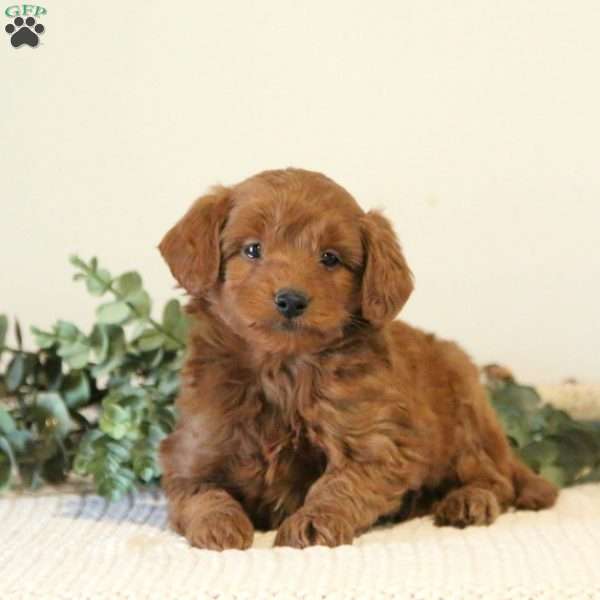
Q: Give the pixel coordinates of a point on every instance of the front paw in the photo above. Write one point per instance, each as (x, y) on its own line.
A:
(467, 506)
(310, 528)
(219, 530)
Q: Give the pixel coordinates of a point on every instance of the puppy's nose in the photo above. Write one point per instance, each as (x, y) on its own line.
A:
(290, 303)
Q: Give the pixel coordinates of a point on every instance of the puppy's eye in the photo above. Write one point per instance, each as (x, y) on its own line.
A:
(253, 250)
(330, 259)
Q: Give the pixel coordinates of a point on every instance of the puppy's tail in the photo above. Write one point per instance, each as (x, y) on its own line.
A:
(532, 491)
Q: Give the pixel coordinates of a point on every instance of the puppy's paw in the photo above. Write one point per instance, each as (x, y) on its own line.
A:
(220, 530)
(467, 506)
(305, 528)
(536, 494)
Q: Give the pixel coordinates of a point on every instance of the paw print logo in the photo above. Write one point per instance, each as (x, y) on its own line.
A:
(24, 32)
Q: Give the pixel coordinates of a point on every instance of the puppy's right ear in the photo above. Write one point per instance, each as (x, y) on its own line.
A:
(192, 247)
(387, 281)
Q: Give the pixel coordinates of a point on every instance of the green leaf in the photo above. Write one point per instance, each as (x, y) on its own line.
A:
(513, 420)
(108, 461)
(113, 313)
(55, 414)
(154, 358)
(119, 450)
(128, 283)
(557, 420)
(73, 346)
(522, 397)
(169, 384)
(554, 474)
(20, 439)
(172, 315)
(86, 453)
(16, 372)
(67, 331)
(76, 354)
(110, 490)
(111, 346)
(151, 339)
(141, 303)
(145, 453)
(7, 449)
(166, 419)
(43, 339)
(175, 323)
(3, 330)
(114, 486)
(116, 421)
(5, 470)
(76, 389)
(540, 453)
(576, 453)
(98, 282)
(18, 334)
(518, 431)
(77, 262)
(100, 342)
(7, 423)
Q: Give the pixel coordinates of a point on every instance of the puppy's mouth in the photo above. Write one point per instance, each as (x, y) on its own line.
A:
(289, 326)
(286, 326)
(292, 326)
(293, 334)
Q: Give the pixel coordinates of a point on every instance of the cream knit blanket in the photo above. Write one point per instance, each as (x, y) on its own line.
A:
(59, 546)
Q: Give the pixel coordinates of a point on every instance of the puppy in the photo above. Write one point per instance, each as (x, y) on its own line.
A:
(304, 406)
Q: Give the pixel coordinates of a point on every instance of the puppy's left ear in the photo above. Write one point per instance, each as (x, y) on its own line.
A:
(192, 247)
(387, 282)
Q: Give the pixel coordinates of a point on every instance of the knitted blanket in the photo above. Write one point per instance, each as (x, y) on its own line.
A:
(75, 546)
(72, 545)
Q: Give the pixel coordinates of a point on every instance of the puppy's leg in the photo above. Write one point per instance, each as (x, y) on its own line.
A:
(468, 505)
(533, 491)
(341, 504)
(483, 493)
(209, 517)
(206, 514)
(491, 478)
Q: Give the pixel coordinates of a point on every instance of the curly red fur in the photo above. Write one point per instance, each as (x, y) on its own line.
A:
(321, 425)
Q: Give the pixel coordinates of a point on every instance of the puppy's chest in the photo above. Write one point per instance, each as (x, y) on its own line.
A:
(289, 452)
(285, 422)
(289, 464)
(286, 436)
(287, 387)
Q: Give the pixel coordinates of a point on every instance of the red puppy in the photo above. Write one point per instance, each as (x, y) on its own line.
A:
(304, 406)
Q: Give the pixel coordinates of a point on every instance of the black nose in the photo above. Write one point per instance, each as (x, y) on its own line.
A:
(290, 303)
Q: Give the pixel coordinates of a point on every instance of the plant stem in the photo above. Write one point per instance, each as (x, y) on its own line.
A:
(90, 272)
(160, 328)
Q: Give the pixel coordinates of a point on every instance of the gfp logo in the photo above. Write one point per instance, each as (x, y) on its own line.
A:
(24, 29)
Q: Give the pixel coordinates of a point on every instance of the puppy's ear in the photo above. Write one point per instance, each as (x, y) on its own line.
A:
(192, 247)
(387, 281)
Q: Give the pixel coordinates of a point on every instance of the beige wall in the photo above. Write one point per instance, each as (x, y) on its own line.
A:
(475, 124)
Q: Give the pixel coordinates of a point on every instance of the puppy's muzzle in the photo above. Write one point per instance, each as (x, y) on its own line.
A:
(291, 303)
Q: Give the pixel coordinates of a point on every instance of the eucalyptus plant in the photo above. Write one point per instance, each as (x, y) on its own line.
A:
(564, 450)
(98, 403)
